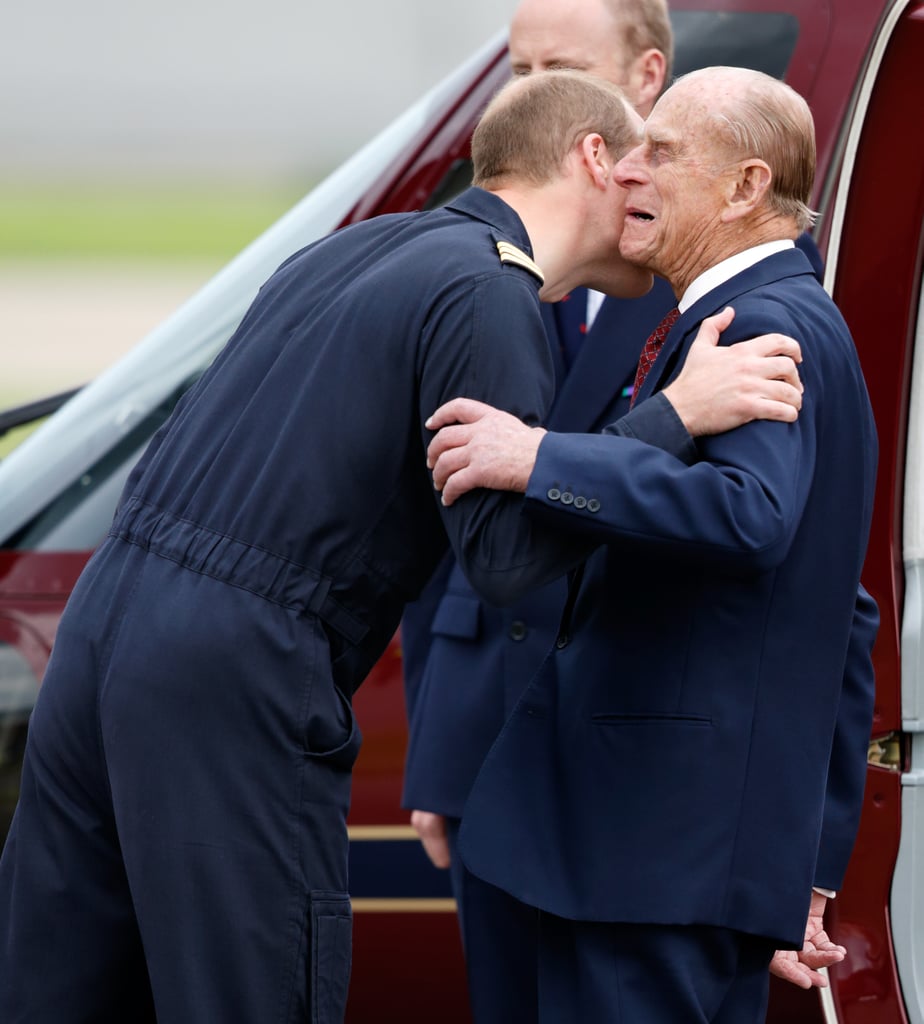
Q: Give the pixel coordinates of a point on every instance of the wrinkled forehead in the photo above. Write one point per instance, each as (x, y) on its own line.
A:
(685, 116)
(702, 96)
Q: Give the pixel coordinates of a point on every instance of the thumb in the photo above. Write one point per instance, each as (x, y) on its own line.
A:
(712, 327)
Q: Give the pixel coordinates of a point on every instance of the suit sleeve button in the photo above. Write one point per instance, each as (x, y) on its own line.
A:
(517, 630)
(553, 494)
(593, 505)
(580, 501)
(567, 498)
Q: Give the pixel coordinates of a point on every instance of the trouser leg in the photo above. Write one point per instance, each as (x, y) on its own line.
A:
(499, 936)
(184, 803)
(240, 749)
(70, 951)
(650, 974)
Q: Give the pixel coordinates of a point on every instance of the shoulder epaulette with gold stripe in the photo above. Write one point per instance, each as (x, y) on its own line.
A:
(509, 253)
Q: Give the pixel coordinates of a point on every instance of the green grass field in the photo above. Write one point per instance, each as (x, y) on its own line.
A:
(125, 222)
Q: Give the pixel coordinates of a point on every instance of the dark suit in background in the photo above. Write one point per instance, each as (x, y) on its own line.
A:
(480, 657)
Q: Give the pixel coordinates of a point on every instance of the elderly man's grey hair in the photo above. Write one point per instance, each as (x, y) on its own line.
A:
(765, 118)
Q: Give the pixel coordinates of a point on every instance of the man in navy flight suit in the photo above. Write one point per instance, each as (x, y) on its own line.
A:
(681, 782)
(180, 844)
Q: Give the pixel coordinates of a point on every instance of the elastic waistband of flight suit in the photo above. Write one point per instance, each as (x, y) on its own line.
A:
(233, 561)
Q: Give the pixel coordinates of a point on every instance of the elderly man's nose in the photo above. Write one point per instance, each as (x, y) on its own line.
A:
(630, 167)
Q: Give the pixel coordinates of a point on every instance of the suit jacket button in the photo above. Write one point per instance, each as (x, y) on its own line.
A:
(593, 505)
(553, 494)
(580, 501)
(517, 630)
(567, 498)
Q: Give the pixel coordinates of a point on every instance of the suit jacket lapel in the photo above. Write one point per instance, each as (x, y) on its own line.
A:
(608, 359)
(789, 263)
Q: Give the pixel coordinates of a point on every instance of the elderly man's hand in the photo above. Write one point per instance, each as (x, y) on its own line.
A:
(803, 967)
(724, 386)
(480, 446)
(432, 831)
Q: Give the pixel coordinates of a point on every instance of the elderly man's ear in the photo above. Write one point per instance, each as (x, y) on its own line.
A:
(746, 189)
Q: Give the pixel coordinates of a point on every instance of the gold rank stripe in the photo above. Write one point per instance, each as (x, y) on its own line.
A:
(511, 254)
(403, 906)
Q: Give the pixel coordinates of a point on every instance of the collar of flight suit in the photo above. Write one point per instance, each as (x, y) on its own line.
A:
(493, 211)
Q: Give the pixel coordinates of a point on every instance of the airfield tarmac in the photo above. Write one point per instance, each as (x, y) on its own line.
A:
(63, 322)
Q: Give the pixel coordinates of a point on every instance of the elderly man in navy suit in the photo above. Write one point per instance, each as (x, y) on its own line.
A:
(180, 848)
(466, 660)
(680, 784)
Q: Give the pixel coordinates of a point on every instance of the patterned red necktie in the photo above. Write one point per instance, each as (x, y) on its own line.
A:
(650, 351)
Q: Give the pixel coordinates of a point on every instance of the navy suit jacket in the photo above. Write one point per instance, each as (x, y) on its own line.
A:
(467, 661)
(671, 761)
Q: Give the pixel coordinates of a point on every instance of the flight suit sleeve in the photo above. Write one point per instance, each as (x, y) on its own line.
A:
(655, 421)
(488, 342)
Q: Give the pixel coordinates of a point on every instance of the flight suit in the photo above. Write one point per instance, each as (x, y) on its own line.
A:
(180, 845)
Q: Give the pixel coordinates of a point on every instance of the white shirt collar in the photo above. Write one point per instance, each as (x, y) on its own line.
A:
(727, 269)
(594, 302)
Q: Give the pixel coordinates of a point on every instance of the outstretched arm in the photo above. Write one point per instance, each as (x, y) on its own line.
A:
(722, 387)
(719, 388)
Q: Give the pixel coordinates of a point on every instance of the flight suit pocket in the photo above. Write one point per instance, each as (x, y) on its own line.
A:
(331, 955)
(332, 736)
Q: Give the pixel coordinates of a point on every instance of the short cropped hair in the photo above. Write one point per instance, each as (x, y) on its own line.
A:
(645, 25)
(767, 119)
(533, 123)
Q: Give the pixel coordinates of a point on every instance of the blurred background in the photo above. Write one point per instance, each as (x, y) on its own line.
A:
(142, 147)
